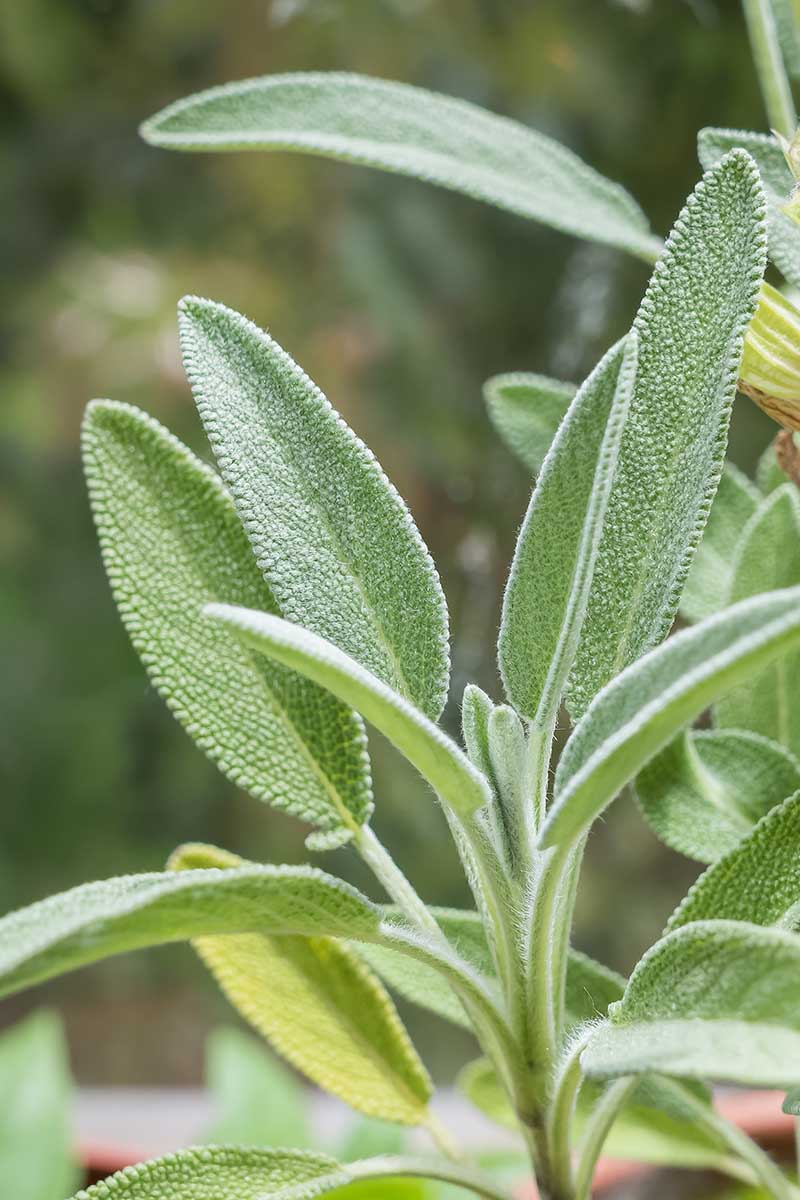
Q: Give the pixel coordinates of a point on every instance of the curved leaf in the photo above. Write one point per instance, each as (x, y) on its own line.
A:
(643, 709)
(691, 325)
(526, 410)
(332, 536)
(413, 132)
(758, 881)
(113, 916)
(784, 233)
(172, 543)
(712, 1000)
(768, 558)
(435, 756)
(551, 574)
(706, 790)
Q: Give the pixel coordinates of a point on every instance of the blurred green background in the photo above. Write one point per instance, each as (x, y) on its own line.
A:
(399, 300)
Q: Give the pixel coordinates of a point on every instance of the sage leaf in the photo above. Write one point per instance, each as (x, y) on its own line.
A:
(708, 582)
(36, 1114)
(172, 543)
(113, 916)
(712, 1000)
(705, 791)
(476, 709)
(551, 573)
(768, 558)
(410, 131)
(757, 881)
(435, 756)
(691, 325)
(526, 410)
(257, 1101)
(333, 538)
(643, 709)
(219, 1173)
(322, 1009)
(784, 233)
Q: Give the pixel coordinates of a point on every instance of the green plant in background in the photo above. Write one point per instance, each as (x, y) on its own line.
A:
(281, 603)
(36, 1155)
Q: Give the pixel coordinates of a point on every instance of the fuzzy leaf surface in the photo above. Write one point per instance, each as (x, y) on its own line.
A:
(706, 790)
(256, 1099)
(435, 755)
(113, 916)
(410, 131)
(708, 582)
(642, 710)
(691, 325)
(711, 1000)
(323, 1010)
(787, 23)
(526, 410)
(330, 533)
(36, 1137)
(768, 558)
(784, 234)
(171, 544)
(758, 881)
(551, 573)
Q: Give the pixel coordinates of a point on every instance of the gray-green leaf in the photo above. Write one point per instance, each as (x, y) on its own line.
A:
(526, 410)
(643, 709)
(172, 543)
(691, 325)
(113, 916)
(551, 574)
(708, 582)
(706, 790)
(414, 132)
(332, 536)
(711, 1000)
(435, 756)
(768, 558)
(784, 233)
(758, 881)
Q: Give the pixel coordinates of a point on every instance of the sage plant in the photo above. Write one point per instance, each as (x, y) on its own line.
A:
(285, 599)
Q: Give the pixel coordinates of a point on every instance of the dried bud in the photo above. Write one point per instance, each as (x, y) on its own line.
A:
(770, 371)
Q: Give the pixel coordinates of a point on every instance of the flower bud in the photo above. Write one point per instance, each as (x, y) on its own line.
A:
(770, 370)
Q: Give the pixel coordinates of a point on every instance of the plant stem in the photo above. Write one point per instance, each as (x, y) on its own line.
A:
(772, 76)
(560, 1115)
(392, 879)
(390, 1167)
(597, 1129)
(443, 1138)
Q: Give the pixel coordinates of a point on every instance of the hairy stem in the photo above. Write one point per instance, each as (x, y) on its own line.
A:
(772, 76)
(561, 1113)
(392, 879)
(389, 1167)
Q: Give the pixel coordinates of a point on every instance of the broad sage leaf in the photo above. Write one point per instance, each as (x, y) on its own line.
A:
(650, 702)
(784, 233)
(709, 579)
(435, 756)
(113, 916)
(551, 574)
(711, 1000)
(768, 558)
(331, 535)
(526, 410)
(705, 791)
(321, 1008)
(414, 132)
(171, 544)
(758, 881)
(691, 325)
(37, 1156)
